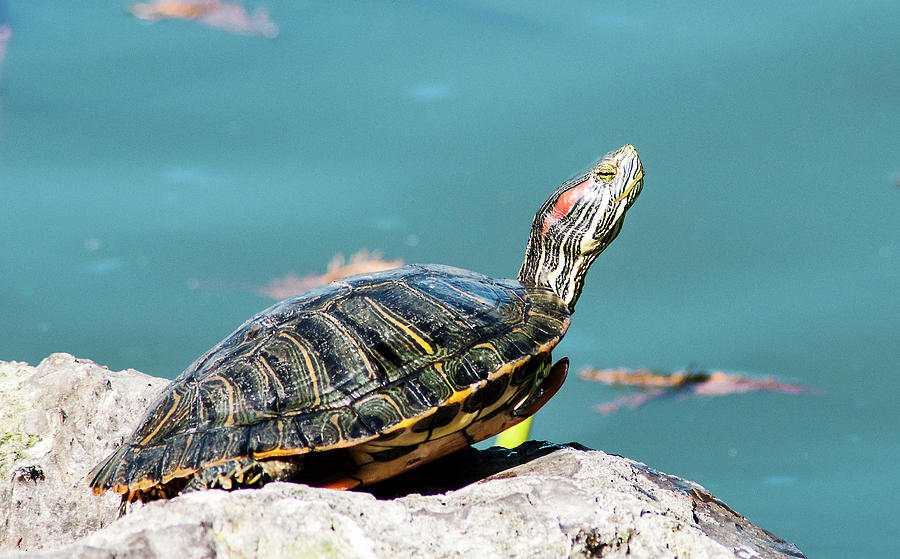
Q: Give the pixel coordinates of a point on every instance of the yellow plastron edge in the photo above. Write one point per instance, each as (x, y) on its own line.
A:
(515, 435)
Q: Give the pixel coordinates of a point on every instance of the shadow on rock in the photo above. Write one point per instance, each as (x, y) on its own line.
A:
(463, 468)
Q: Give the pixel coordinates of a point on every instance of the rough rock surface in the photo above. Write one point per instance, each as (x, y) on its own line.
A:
(57, 421)
(61, 418)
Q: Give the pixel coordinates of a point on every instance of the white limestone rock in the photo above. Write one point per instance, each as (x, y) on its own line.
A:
(60, 419)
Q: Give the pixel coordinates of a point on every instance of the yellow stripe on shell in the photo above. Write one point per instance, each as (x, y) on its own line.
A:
(177, 397)
(420, 341)
(307, 358)
(229, 389)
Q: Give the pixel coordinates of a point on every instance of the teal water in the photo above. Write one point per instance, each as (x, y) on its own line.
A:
(139, 161)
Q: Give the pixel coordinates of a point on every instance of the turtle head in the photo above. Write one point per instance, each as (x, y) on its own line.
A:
(579, 221)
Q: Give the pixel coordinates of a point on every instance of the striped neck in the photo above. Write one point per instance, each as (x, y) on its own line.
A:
(550, 265)
(579, 220)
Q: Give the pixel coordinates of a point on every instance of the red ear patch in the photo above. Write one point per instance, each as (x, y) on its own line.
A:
(563, 204)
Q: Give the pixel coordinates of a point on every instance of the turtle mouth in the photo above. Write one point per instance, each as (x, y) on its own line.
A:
(637, 179)
(631, 165)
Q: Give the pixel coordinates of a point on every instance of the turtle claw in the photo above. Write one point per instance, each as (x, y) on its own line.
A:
(234, 474)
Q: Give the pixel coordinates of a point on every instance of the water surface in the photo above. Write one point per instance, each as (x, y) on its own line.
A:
(150, 173)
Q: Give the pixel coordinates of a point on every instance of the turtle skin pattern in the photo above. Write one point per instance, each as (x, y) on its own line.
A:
(376, 364)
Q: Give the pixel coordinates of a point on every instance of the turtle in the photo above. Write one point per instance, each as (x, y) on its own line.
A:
(369, 376)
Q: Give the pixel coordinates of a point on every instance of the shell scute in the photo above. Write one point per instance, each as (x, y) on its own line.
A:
(332, 428)
(431, 386)
(487, 395)
(442, 417)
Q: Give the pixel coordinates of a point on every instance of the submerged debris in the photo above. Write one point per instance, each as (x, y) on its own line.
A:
(228, 16)
(683, 384)
(5, 35)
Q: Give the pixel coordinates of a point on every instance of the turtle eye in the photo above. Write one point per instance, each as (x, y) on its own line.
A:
(606, 172)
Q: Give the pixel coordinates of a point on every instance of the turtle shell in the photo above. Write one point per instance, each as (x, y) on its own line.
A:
(347, 384)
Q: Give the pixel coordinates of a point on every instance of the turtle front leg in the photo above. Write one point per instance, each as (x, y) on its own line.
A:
(234, 474)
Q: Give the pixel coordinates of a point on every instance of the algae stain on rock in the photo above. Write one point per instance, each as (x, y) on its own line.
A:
(15, 440)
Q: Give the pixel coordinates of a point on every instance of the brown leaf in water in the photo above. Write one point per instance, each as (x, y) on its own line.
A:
(228, 16)
(684, 384)
(360, 263)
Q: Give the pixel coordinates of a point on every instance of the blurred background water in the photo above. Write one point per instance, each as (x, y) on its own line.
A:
(149, 173)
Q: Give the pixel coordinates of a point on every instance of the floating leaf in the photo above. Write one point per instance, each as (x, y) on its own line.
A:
(360, 263)
(684, 384)
(228, 16)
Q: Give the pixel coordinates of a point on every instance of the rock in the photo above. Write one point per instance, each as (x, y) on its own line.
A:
(61, 418)
(57, 421)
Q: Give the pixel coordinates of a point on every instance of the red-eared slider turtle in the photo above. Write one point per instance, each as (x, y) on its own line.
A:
(369, 376)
